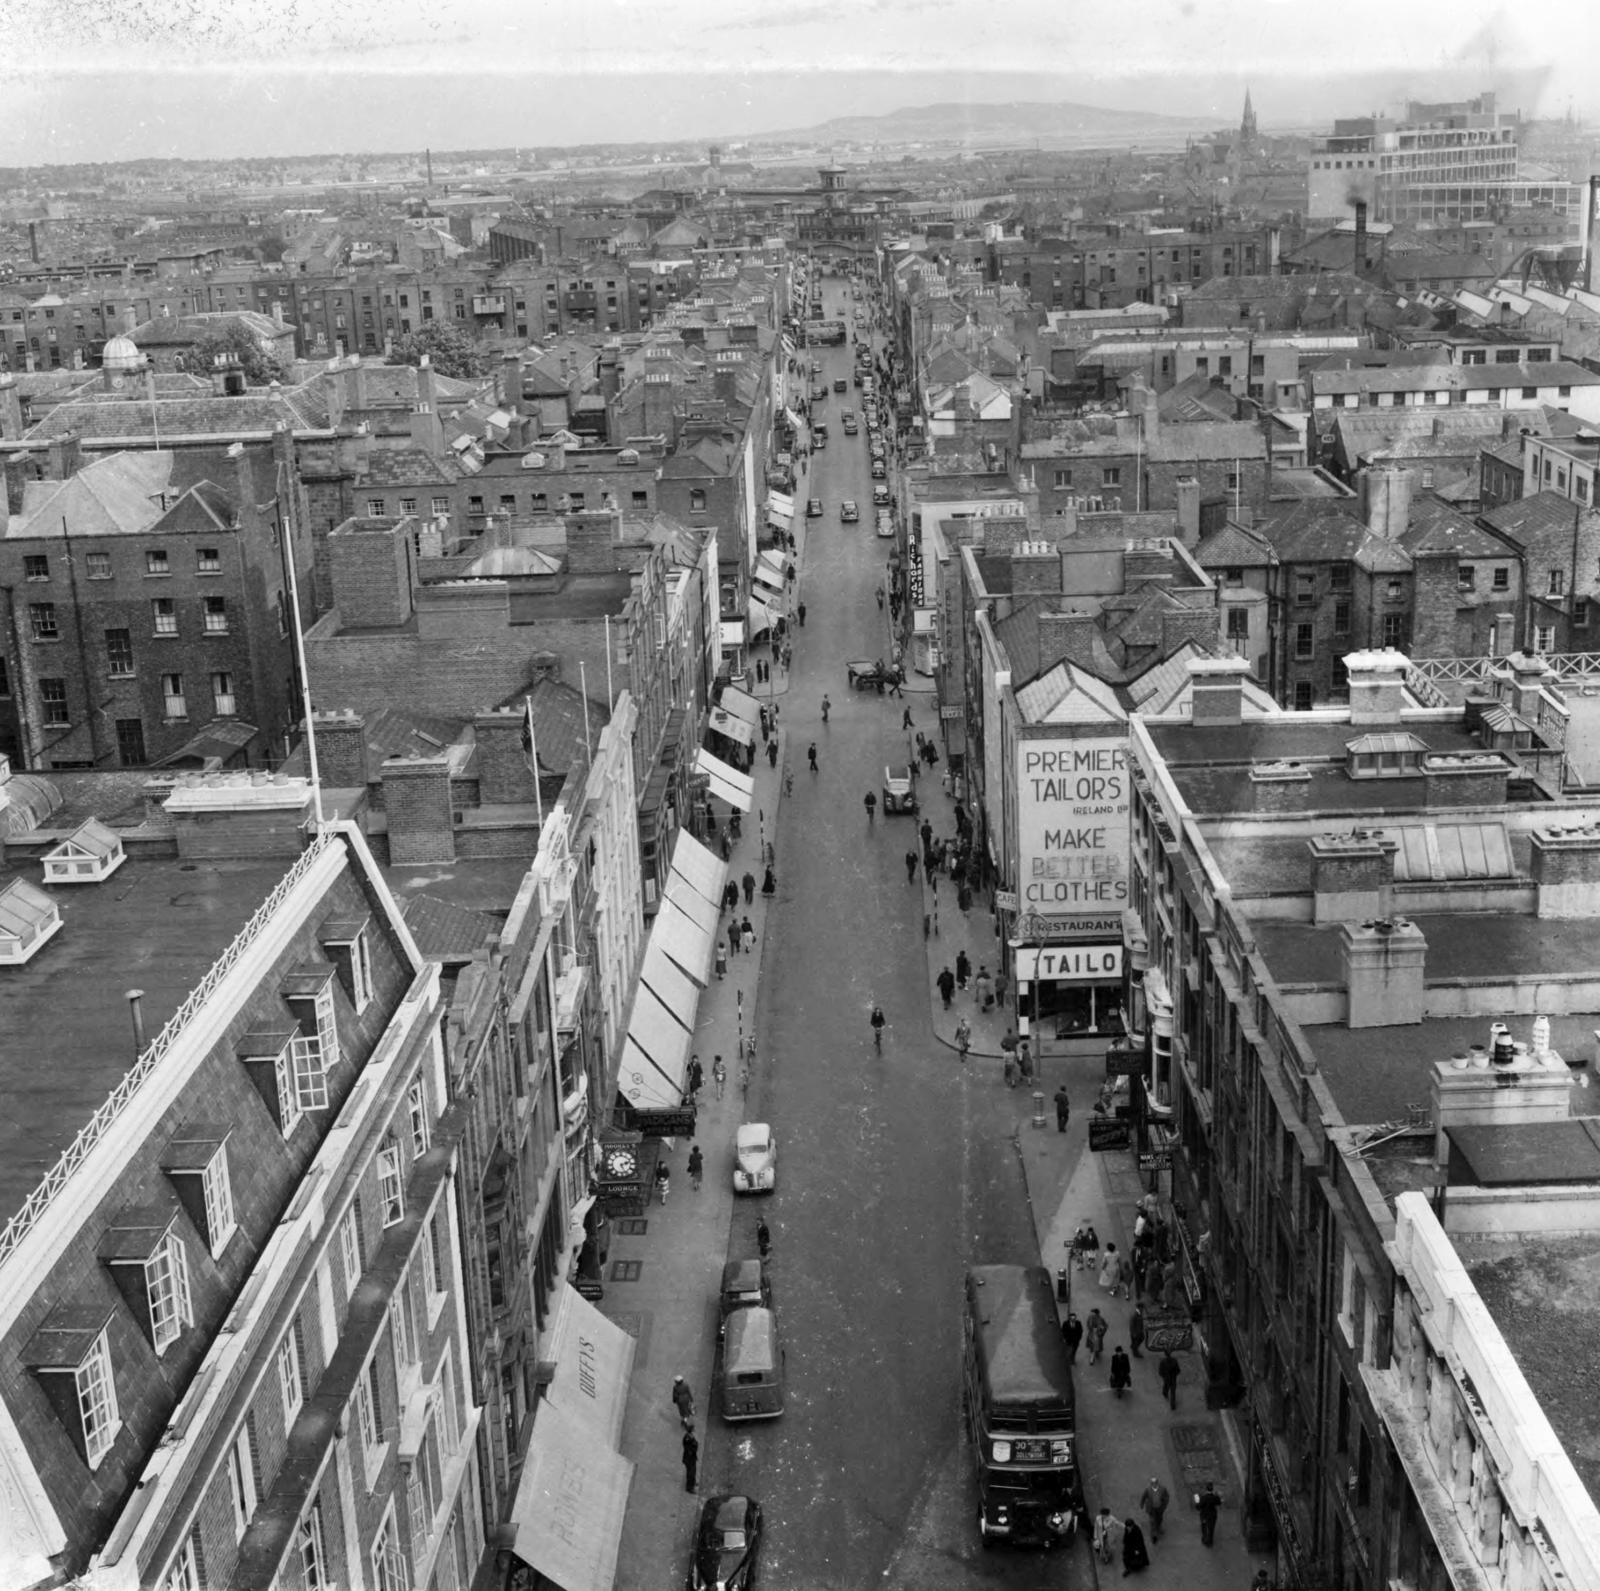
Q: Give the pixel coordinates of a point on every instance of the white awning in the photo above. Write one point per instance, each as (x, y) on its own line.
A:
(691, 903)
(788, 344)
(700, 866)
(728, 784)
(681, 938)
(780, 503)
(761, 590)
(642, 1083)
(732, 634)
(775, 565)
(762, 618)
(742, 705)
(734, 728)
(795, 422)
(655, 1030)
(594, 1362)
(670, 984)
(783, 522)
(570, 1502)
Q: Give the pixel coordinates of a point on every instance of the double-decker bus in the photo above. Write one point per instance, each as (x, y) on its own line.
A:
(1019, 1406)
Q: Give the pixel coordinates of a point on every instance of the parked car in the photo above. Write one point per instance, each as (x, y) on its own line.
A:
(879, 473)
(885, 525)
(727, 1542)
(816, 367)
(899, 789)
(880, 495)
(813, 508)
(848, 512)
(755, 1159)
(744, 1286)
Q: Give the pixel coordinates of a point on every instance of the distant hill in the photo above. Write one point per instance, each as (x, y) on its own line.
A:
(1022, 122)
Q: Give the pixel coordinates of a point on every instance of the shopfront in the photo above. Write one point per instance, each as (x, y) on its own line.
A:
(1072, 998)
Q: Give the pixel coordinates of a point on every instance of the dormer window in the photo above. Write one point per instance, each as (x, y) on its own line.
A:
(149, 1262)
(196, 1162)
(71, 1356)
(345, 941)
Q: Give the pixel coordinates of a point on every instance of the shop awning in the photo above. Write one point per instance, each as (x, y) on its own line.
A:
(780, 503)
(741, 704)
(732, 634)
(795, 422)
(670, 984)
(594, 1363)
(736, 729)
(700, 866)
(569, 1504)
(691, 903)
(681, 938)
(656, 1031)
(762, 590)
(762, 618)
(774, 565)
(642, 1083)
(727, 784)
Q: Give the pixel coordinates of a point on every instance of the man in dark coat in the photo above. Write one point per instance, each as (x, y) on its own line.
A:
(749, 882)
(691, 1460)
(947, 986)
(1167, 1368)
(1135, 1555)
(1136, 1331)
(1063, 1111)
(963, 969)
(1209, 1505)
(1072, 1334)
(1121, 1370)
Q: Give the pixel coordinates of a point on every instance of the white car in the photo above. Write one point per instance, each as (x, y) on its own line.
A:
(755, 1165)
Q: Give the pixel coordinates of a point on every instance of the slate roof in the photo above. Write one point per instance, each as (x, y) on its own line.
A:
(558, 731)
(1234, 547)
(444, 931)
(409, 466)
(1207, 439)
(1195, 399)
(1530, 517)
(1453, 378)
(119, 494)
(260, 409)
(169, 331)
(1436, 527)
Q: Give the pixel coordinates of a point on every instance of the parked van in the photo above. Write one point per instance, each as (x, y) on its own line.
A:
(752, 1366)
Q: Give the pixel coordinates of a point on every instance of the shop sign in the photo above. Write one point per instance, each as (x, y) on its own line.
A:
(677, 1123)
(1072, 825)
(1156, 1160)
(1053, 930)
(947, 713)
(1070, 963)
(1107, 1133)
(1006, 900)
(1277, 1494)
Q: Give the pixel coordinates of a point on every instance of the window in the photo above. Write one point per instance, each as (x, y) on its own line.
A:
(1502, 579)
(283, 1072)
(1302, 696)
(216, 621)
(1233, 480)
(432, 1270)
(97, 1402)
(289, 1387)
(376, 508)
(350, 1246)
(441, 505)
(1305, 593)
(1395, 626)
(1396, 590)
(417, 1107)
(1544, 638)
(313, 1559)
(1064, 479)
(408, 505)
(130, 740)
(1111, 476)
(1238, 624)
(1341, 618)
(1580, 613)
(164, 615)
(1224, 364)
(1466, 577)
(184, 1575)
(475, 504)
(53, 694)
(390, 1187)
(697, 501)
(35, 566)
(369, 1410)
(388, 1562)
(1558, 582)
(166, 1280)
(208, 561)
(1530, 392)
(241, 1482)
(1304, 640)
(222, 694)
(155, 563)
(97, 565)
(641, 499)
(119, 653)
(172, 696)
(42, 619)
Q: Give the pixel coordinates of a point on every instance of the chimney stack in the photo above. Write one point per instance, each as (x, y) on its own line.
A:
(1360, 266)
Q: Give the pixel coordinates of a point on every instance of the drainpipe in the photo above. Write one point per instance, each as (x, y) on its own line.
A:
(32, 750)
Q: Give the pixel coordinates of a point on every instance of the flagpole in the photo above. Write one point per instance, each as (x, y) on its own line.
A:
(533, 759)
(583, 687)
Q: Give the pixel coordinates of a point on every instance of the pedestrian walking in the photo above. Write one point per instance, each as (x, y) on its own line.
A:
(772, 754)
(1210, 1505)
(963, 969)
(1094, 1331)
(1072, 1335)
(983, 990)
(719, 1074)
(905, 719)
(1063, 1108)
(1153, 1500)
(870, 802)
(749, 882)
(1010, 1068)
(1168, 1369)
(926, 832)
(963, 1039)
(748, 935)
(683, 1397)
(1110, 1269)
(730, 896)
(799, 612)
(946, 982)
(1135, 1555)
(697, 1166)
(1136, 1331)
(1125, 1274)
(722, 959)
(734, 931)
(1107, 1534)
(763, 1237)
(911, 867)
(811, 755)
(691, 1460)
(1121, 1370)
(696, 1076)
(879, 595)
(727, 845)
(826, 705)
(663, 1180)
(1141, 1265)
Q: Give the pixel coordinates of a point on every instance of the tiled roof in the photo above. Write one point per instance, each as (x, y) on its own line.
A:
(119, 494)
(409, 466)
(167, 331)
(1324, 284)
(558, 722)
(1435, 527)
(1314, 532)
(1234, 547)
(444, 931)
(1529, 517)
(1208, 439)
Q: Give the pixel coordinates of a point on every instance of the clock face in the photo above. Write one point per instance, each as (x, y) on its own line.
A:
(621, 1162)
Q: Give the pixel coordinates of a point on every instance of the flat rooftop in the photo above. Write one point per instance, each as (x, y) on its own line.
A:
(1378, 1074)
(66, 1037)
(1544, 1295)
(579, 597)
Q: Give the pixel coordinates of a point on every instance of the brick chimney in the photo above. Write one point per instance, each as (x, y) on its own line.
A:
(1217, 693)
(1383, 963)
(1386, 500)
(511, 383)
(341, 749)
(416, 799)
(66, 457)
(1351, 876)
(1519, 683)
(1377, 685)
(591, 541)
(504, 774)
(1359, 261)
(1566, 871)
(1179, 625)
(1187, 491)
(10, 408)
(1065, 635)
(370, 568)
(1035, 568)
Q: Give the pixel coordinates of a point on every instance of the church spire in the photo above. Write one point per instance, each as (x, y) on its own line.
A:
(1247, 127)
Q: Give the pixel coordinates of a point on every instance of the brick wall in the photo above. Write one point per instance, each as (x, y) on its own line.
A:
(503, 771)
(371, 568)
(446, 613)
(591, 542)
(417, 799)
(341, 749)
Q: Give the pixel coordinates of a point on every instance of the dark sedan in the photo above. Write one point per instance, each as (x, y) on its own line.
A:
(726, 1543)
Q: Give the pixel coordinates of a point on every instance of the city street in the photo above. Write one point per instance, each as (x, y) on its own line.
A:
(896, 1170)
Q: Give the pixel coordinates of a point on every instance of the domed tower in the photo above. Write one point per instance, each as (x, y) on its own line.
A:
(121, 365)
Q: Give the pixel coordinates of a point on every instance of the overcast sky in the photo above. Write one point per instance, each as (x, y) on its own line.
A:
(118, 79)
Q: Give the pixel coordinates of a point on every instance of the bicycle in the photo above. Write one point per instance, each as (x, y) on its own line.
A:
(878, 1025)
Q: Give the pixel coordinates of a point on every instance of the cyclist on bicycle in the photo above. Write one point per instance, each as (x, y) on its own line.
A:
(879, 1021)
(870, 802)
(826, 704)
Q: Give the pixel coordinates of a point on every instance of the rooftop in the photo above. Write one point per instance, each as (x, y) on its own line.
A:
(158, 926)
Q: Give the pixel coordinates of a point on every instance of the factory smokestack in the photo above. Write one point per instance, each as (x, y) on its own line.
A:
(1361, 238)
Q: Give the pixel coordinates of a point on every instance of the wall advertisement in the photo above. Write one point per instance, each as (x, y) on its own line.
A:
(1072, 825)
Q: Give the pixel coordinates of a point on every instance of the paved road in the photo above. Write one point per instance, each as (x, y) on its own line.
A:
(896, 1170)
